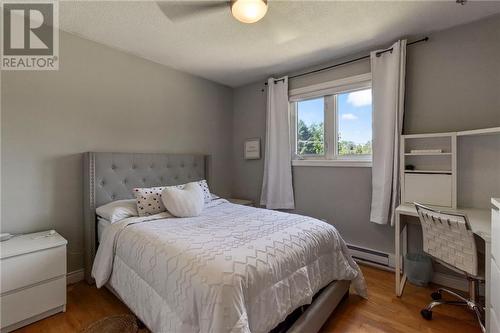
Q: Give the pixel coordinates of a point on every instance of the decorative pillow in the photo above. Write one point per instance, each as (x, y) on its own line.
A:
(204, 186)
(149, 200)
(184, 202)
(117, 210)
(206, 191)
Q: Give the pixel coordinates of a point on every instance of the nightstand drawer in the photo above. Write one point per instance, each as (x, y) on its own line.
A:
(32, 301)
(27, 269)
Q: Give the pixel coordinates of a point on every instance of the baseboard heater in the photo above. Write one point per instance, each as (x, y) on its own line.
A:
(386, 261)
(371, 257)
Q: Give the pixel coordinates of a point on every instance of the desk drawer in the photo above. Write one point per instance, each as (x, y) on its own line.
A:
(495, 288)
(494, 323)
(33, 301)
(27, 269)
(495, 234)
(428, 189)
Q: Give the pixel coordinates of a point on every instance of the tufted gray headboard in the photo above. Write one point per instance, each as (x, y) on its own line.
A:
(113, 176)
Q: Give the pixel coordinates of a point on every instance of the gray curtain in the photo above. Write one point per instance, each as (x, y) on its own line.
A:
(388, 90)
(277, 189)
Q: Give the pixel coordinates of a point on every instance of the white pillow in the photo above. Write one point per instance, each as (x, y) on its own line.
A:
(184, 202)
(204, 187)
(117, 210)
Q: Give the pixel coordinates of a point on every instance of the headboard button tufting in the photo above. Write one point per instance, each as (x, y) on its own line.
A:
(113, 176)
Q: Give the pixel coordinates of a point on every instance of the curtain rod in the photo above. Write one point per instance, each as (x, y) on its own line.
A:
(425, 39)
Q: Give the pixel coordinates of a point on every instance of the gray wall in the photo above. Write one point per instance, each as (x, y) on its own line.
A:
(453, 80)
(100, 100)
(452, 84)
(479, 173)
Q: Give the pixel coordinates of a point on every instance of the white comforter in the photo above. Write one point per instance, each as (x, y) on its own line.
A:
(232, 269)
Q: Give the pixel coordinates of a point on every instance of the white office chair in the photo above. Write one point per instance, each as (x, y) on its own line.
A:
(447, 238)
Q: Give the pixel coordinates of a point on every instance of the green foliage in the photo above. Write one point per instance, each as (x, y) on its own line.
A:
(311, 141)
(351, 148)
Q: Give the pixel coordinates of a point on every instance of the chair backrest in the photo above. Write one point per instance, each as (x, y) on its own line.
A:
(448, 238)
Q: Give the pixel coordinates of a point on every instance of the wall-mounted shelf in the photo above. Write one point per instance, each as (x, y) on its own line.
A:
(428, 135)
(427, 154)
(444, 172)
(432, 177)
(481, 131)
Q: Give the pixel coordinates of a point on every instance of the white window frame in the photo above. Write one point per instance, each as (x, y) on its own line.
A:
(329, 91)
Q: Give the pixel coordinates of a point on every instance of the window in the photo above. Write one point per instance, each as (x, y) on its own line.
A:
(310, 127)
(332, 124)
(354, 119)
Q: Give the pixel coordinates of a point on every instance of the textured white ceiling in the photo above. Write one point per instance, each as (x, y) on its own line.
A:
(291, 36)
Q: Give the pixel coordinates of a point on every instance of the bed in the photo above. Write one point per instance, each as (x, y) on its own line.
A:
(231, 269)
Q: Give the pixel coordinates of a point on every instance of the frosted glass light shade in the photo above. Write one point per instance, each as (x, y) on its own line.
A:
(248, 11)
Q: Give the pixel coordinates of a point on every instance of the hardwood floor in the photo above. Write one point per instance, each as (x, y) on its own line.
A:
(382, 312)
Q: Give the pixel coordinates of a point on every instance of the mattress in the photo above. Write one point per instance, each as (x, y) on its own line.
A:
(101, 225)
(232, 269)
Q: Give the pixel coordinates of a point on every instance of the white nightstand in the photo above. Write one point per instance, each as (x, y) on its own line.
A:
(243, 202)
(33, 278)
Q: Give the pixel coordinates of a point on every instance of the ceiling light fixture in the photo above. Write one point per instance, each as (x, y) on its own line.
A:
(248, 11)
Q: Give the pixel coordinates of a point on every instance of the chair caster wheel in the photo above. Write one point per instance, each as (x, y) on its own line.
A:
(436, 296)
(140, 324)
(426, 314)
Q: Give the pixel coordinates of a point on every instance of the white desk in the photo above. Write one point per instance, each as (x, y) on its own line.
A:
(480, 222)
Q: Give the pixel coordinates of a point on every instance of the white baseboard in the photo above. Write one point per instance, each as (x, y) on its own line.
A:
(374, 265)
(454, 282)
(75, 276)
(450, 281)
(369, 256)
(387, 262)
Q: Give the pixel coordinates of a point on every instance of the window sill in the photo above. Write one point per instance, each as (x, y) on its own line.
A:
(332, 163)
